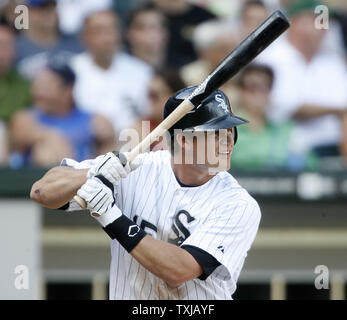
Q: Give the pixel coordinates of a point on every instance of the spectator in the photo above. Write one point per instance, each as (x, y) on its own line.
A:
(310, 84)
(262, 145)
(73, 12)
(182, 18)
(163, 85)
(42, 39)
(54, 127)
(213, 40)
(3, 144)
(7, 12)
(343, 144)
(14, 90)
(333, 39)
(253, 13)
(110, 82)
(147, 35)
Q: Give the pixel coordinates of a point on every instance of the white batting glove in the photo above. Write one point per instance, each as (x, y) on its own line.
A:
(99, 195)
(112, 169)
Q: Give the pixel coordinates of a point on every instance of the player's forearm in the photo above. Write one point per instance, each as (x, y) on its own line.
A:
(171, 263)
(58, 186)
(306, 112)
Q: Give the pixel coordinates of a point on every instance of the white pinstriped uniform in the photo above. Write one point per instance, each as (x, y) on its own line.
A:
(219, 217)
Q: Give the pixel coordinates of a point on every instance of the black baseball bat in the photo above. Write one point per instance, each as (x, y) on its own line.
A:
(242, 55)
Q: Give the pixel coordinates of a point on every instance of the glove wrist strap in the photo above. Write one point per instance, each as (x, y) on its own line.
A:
(108, 217)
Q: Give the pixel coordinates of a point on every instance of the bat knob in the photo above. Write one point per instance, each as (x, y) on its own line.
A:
(81, 202)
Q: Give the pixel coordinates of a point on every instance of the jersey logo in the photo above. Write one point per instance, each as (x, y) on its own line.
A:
(179, 232)
(133, 230)
(221, 248)
(145, 225)
(222, 103)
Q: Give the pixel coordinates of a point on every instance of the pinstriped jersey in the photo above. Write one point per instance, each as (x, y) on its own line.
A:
(219, 217)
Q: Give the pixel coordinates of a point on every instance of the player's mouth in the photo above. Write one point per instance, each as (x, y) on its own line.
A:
(226, 153)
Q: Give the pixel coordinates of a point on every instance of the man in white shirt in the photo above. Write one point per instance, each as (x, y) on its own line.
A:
(110, 82)
(180, 229)
(310, 84)
(73, 12)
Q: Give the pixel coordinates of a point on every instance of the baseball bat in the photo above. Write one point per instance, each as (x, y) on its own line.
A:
(242, 55)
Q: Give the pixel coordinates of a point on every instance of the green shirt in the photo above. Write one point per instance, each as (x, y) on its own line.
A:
(266, 148)
(14, 94)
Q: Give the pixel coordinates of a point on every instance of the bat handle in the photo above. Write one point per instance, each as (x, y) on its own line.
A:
(175, 116)
(81, 202)
(165, 125)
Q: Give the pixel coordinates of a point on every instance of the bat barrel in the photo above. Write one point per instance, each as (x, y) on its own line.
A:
(242, 55)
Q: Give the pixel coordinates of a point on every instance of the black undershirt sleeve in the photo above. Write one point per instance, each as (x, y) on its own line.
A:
(206, 261)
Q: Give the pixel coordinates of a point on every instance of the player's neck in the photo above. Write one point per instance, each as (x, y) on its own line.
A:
(190, 174)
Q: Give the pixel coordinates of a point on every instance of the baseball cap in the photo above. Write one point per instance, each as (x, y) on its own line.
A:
(39, 3)
(300, 6)
(62, 69)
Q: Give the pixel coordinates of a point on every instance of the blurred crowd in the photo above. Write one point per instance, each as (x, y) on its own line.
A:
(85, 70)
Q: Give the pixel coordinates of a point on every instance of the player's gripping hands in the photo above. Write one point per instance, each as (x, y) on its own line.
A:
(99, 194)
(112, 169)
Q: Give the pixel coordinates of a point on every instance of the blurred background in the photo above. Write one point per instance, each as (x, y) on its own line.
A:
(84, 70)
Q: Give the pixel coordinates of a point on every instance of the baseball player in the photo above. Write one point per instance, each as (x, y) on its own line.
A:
(177, 231)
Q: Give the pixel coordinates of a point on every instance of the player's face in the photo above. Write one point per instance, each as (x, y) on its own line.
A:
(210, 151)
(219, 146)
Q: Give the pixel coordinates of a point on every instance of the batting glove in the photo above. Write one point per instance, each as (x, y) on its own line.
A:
(99, 195)
(112, 169)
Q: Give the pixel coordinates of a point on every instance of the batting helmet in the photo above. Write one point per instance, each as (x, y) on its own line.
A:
(214, 113)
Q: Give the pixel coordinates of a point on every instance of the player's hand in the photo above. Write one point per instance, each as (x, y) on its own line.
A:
(98, 192)
(112, 169)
